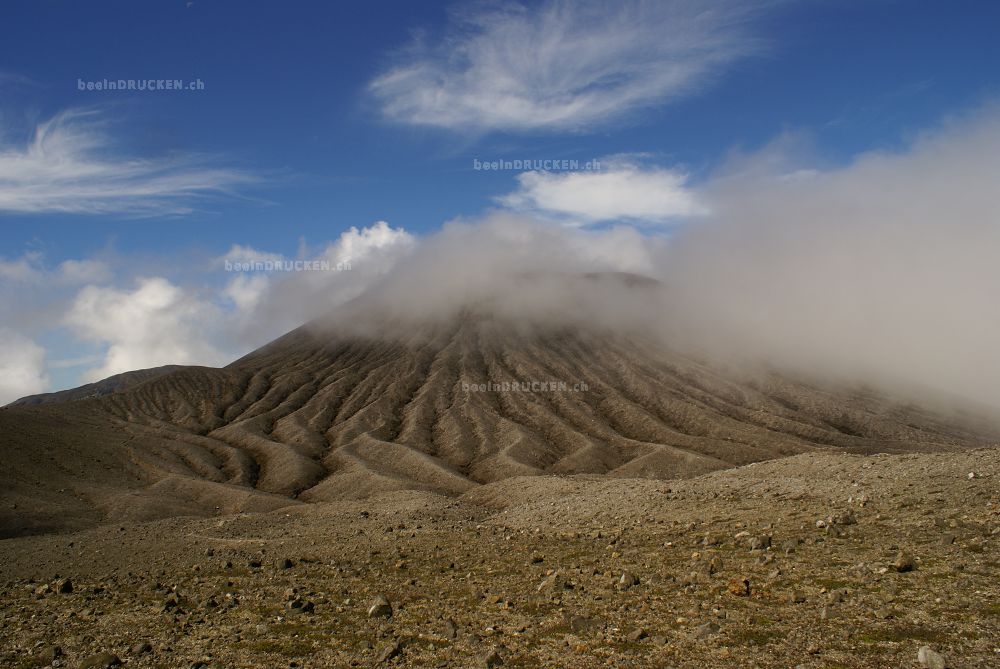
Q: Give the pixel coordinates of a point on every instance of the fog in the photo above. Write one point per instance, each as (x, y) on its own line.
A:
(885, 270)
(881, 271)
(515, 269)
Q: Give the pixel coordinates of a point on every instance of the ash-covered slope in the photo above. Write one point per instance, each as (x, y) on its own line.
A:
(332, 413)
(108, 386)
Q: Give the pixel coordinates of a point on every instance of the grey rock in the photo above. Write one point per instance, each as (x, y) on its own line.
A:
(714, 565)
(491, 659)
(380, 608)
(388, 651)
(580, 624)
(884, 613)
(103, 660)
(142, 648)
(903, 562)
(627, 580)
(553, 583)
(50, 654)
(930, 659)
(706, 630)
(845, 518)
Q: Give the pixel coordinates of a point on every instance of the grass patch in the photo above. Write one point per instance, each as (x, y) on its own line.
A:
(990, 610)
(902, 633)
(755, 636)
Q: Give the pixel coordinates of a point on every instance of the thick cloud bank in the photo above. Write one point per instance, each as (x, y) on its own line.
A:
(882, 271)
(506, 266)
(885, 270)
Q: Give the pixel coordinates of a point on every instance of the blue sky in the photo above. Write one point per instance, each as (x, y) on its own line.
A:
(319, 117)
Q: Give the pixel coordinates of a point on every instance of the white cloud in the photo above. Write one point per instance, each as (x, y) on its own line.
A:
(621, 191)
(353, 245)
(67, 363)
(67, 167)
(156, 323)
(359, 245)
(31, 268)
(247, 254)
(564, 65)
(156, 320)
(246, 291)
(266, 305)
(22, 366)
(25, 269)
(84, 271)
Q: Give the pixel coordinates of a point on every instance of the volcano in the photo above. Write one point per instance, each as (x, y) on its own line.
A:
(332, 413)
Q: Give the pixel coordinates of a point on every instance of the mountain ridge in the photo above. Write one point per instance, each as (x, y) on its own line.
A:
(106, 386)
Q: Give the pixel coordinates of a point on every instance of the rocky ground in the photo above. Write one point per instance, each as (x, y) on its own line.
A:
(817, 560)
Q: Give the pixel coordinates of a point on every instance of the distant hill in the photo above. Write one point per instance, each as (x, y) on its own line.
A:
(112, 384)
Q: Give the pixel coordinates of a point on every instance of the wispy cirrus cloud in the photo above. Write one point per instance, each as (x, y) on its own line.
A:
(14, 79)
(70, 165)
(563, 65)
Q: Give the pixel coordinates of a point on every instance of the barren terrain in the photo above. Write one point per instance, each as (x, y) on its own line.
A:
(347, 499)
(790, 563)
